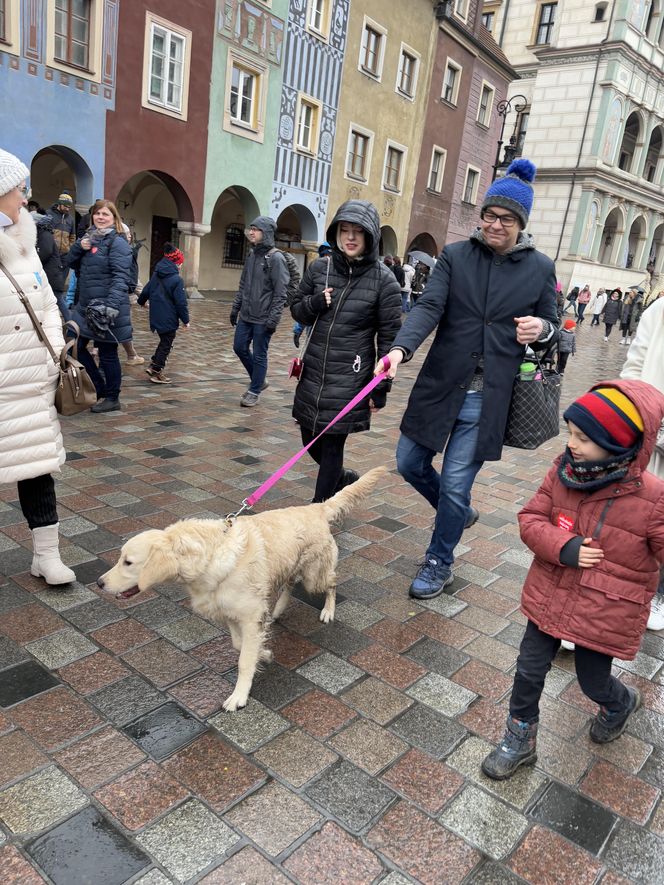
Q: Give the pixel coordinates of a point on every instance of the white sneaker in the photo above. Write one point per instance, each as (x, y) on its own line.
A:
(622, 341)
(656, 617)
(628, 342)
(567, 645)
(606, 337)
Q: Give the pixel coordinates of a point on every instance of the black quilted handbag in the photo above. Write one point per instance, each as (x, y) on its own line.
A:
(534, 415)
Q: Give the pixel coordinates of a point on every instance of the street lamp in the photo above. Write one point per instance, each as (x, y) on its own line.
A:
(505, 107)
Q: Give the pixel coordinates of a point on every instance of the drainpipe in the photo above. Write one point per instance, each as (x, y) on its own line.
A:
(585, 129)
(504, 24)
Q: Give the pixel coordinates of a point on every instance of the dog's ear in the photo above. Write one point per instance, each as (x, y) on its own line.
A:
(161, 565)
(191, 555)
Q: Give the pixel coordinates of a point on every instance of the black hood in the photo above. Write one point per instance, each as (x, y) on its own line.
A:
(42, 221)
(165, 268)
(269, 228)
(365, 214)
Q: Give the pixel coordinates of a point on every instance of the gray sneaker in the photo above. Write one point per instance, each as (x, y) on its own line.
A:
(249, 399)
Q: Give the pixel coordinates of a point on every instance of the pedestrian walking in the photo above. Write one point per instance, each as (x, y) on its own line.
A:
(566, 344)
(168, 308)
(31, 446)
(560, 300)
(611, 312)
(352, 302)
(631, 314)
(409, 275)
(49, 255)
(102, 261)
(64, 223)
(133, 359)
(258, 305)
(323, 250)
(461, 398)
(645, 362)
(596, 528)
(596, 306)
(571, 300)
(582, 302)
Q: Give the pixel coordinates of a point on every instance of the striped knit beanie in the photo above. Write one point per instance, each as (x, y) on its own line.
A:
(608, 418)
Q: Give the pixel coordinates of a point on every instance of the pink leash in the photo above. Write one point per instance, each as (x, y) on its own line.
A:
(267, 485)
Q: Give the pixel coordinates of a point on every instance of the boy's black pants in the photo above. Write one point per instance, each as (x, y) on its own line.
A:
(593, 670)
(562, 361)
(166, 340)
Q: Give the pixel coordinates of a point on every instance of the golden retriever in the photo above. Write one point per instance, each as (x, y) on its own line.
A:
(239, 571)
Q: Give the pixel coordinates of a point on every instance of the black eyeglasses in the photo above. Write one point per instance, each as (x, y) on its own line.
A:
(506, 221)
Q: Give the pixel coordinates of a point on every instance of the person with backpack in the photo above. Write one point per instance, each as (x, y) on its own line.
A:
(258, 305)
(168, 308)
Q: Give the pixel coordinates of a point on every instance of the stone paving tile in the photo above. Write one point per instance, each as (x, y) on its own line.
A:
(203, 693)
(61, 648)
(629, 796)
(291, 650)
(330, 857)
(30, 622)
(416, 844)
(273, 818)
(544, 856)
(246, 866)
(92, 673)
(394, 669)
(39, 801)
(126, 700)
(70, 596)
(423, 780)
(276, 686)
(486, 718)
(567, 761)
(441, 694)
(99, 757)
(93, 615)
(55, 718)
(368, 746)
(24, 680)
(161, 663)
(295, 757)
(19, 756)
(394, 635)
(447, 630)
(165, 730)
(492, 652)
(437, 656)
(484, 822)
(318, 713)
(428, 730)
(187, 840)
(330, 672)
(376, 700)
(140, 796)
(581, 821)
(635, 853)
(217, 654)
(356, 615)
(121, 637)
(188, 632)
(251, 726)
(351, 795)
(483, 680)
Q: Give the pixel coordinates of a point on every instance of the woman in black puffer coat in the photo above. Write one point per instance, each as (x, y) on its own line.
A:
(352, 302)
(102, 261)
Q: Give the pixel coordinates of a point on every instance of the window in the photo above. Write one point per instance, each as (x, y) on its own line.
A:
(437, 170)
(471, 185)
(166, 68)
(318, 17)
(451, 82)
(407, 75)
(308, 113)
(243, 94)
(235, 246)
(488, 20)
(486, 104)
(372, 49)
(72, 32)
(3, 20)
(461, 8)
(546, 22)
(394, 163)
(521, 131)
(600, 12)
(359, 150)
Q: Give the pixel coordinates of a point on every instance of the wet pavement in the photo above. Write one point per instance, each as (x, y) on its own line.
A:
(358, 757)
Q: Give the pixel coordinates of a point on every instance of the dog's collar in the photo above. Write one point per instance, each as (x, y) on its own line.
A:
(230, 518)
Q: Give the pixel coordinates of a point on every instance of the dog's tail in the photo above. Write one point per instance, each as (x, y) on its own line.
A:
(339, 506)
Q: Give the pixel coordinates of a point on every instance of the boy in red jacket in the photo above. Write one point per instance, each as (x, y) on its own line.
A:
(596, 527)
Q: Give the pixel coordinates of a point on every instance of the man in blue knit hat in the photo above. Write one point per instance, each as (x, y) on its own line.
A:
(487, 298)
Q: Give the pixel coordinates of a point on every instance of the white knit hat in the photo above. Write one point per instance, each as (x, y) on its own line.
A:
(12, 172)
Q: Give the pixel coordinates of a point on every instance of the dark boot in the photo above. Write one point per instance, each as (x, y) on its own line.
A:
(106, 405)
(516, 748)
(606, 726)
(347, 478)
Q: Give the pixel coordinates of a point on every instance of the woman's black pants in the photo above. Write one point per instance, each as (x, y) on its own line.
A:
(328, 453)
(37, 499)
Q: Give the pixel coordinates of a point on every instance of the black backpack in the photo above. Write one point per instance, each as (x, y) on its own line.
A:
(293, 272)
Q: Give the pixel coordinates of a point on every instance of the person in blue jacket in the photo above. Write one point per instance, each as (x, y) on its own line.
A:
(168, 308)
(102, 262)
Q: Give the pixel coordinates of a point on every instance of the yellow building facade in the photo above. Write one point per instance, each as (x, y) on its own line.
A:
(384, 92)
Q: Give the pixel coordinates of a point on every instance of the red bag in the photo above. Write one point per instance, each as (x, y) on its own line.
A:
(295, 367)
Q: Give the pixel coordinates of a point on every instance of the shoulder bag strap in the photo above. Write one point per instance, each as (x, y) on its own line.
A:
(35, 322)
(303, 347)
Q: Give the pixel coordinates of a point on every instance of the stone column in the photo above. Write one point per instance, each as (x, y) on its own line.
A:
(191, 246)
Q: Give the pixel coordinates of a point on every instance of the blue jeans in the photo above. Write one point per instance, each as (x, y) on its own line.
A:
(405, 304)
(448, 492)
(254, 359)
(107, 384)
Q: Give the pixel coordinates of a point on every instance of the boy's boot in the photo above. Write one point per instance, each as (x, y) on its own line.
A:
(46, 562)
(516, 748)
(608, 726)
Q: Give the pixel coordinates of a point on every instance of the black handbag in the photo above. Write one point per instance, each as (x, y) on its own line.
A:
(534, 415)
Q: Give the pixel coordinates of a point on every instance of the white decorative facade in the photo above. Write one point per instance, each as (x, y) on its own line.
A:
(592, 76)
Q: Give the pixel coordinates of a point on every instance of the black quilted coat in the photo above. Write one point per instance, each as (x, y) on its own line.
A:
(348, 336)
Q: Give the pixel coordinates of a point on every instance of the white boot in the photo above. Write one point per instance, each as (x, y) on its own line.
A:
(46, 562)
(628, 342)
(622, 340)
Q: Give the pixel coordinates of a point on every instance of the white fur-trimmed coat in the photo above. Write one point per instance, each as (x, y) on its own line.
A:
(30, 437)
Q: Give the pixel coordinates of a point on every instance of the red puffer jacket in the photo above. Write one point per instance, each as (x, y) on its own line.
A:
(604, 607)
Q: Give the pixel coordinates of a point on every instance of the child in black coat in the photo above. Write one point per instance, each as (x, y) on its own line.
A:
(612, 311)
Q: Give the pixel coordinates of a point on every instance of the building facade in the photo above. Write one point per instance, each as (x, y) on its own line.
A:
(308, 121)
(56, 71)
(384, 90)
(469, 79)
(592, 75)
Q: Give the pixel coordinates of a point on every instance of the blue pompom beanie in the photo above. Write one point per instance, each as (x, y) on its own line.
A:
(514, 191)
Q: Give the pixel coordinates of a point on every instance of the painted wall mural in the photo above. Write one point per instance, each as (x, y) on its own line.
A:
(252, 29)
(613, 126)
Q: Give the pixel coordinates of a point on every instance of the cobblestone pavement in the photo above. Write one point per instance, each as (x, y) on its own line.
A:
(357, 758)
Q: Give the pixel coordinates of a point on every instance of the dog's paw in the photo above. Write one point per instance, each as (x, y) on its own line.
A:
(234, 702)
(266, 656)
(326, 617)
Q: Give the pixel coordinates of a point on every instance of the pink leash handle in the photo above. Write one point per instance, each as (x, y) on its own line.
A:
(267, 485)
